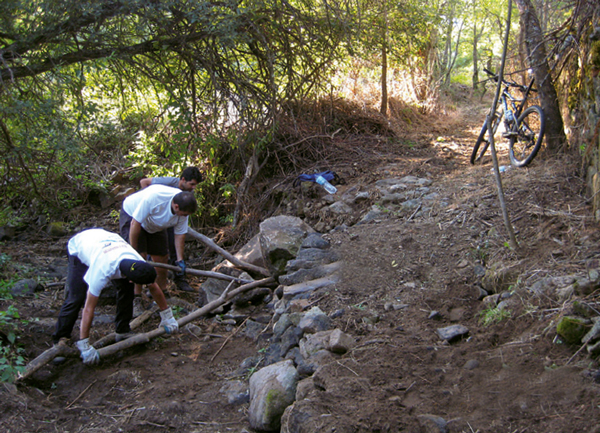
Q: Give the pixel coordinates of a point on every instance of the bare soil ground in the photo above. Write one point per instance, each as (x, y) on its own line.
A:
(509, 376)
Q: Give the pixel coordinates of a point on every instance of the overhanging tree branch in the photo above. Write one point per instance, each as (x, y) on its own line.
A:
(152, 46)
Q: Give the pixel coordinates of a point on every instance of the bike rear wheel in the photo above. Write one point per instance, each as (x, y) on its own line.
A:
(483, 141)
(526, 143)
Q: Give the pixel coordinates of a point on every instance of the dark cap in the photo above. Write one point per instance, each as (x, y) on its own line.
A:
(137, 271)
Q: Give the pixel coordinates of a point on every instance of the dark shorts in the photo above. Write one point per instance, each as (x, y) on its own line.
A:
(154, 244)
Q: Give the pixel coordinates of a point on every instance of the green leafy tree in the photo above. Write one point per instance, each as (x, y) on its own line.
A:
(168, 82)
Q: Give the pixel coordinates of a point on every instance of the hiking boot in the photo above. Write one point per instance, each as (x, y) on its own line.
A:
(125, 336)
(183, 285)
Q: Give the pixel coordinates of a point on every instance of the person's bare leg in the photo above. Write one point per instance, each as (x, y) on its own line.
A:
(158, 296)
(161, 273)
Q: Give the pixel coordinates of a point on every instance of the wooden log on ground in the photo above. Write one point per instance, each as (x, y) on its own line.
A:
(60, 349)
(135, 323)
(230, 257)
(225, 297)
(209, 274)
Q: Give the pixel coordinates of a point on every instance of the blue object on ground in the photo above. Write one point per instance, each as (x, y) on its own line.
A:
(328, 175)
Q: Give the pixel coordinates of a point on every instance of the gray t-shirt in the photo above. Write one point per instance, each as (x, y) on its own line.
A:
(169, 181)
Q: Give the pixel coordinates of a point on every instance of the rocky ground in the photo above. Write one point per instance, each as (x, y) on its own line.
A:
(432, 252)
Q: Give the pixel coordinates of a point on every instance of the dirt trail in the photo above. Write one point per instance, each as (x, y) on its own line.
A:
(509, 376)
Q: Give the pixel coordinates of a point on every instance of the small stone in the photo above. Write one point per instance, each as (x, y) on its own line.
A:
(451, 333)
(435, 315)
(471, 364)
(462, 264)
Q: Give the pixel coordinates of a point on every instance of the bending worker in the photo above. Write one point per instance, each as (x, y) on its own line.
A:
(143, 221)
(188, 181)
(96, 257)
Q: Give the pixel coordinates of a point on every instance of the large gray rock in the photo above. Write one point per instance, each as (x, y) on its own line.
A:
(272, 390)
(213, 288)
(302, 275)
(26, 287)
(252, 253)
(314, 320)
(289, 292)
(280, 240)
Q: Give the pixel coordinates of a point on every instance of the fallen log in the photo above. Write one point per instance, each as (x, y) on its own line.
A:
(209, 274)
(63, 349)
(230, 257)
(225, 297)
(135, 323)
(60, 349)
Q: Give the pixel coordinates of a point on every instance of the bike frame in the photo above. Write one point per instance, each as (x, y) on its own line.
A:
(516, 104)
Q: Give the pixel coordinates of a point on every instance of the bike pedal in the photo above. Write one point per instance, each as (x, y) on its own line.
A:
(510, 134)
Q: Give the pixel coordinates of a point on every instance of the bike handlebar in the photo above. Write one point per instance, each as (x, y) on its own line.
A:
(508, 83)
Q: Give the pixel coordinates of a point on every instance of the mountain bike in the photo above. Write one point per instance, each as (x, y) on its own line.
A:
(523, 125)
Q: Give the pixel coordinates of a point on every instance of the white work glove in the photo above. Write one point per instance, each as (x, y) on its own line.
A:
(88, 353)
(168, 321)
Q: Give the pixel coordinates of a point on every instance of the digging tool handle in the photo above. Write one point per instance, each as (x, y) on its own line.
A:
(234, 260)
(209, 274)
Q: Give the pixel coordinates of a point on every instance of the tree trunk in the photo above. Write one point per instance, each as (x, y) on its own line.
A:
(536, 55)
(384, 92)
(384, 66)
(475, 59)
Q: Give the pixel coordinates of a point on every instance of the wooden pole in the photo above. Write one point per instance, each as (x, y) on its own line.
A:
(225, 297)
(209, 274)
(62, 349)
(230, 257)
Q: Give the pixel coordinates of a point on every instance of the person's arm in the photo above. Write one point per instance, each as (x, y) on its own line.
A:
(158, 296)
(179, 246)
(134, 233)
(87, 316)
(147, 181)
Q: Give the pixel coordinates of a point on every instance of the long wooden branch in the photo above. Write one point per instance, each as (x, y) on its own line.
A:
(60, 349)
(135, 323)
(210, 274)
(225, 297)
(234, 260)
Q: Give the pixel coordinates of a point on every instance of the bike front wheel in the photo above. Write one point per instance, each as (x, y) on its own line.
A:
(526, 142)
(483, 141)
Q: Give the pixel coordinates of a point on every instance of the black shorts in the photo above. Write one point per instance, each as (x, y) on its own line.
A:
(154, 244)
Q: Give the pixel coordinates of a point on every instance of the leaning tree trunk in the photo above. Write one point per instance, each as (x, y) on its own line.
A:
(475, 58)
(384, 68)
(384, 90)
(536, 56)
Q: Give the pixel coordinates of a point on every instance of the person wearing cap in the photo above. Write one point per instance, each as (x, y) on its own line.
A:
(189, 179)
(97, 257)
(144, 218)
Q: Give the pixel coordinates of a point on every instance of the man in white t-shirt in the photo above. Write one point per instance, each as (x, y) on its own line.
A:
(189, 179)
(97, 257)
(143, 221)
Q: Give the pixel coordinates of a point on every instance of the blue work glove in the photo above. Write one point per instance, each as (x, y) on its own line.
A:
(88, 353)
(181, 265)
(168, 321)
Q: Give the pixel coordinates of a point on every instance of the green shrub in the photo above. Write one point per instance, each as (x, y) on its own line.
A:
(12, 361)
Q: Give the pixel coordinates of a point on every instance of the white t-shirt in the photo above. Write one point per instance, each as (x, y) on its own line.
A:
(151, 207)
(102, 252)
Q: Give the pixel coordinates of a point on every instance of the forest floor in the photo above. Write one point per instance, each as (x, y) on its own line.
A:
(512, 375)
